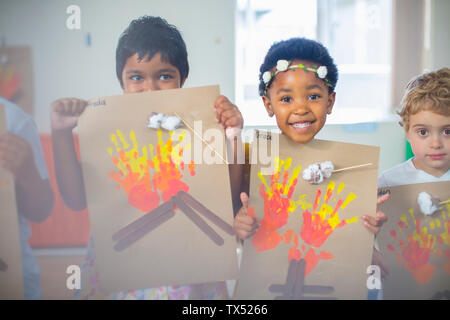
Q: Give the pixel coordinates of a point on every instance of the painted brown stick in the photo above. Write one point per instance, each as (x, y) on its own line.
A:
(299, 279)
(136, 224)
(287, 288)
(295, 288)
(195, 218)
(200, 208)
(143, 230)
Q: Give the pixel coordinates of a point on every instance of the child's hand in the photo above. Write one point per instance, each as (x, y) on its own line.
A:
(373, 224)
(16, 155)
(65, 113)
(227, 114)
(244, 225)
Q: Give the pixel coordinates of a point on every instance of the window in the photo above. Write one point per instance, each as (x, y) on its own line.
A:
(357, 34)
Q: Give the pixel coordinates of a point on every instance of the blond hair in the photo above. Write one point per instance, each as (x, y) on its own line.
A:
(427, 92)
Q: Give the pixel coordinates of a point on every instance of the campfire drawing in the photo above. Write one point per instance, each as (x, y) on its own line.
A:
(152, 176)
(318, 221)
(414, 246)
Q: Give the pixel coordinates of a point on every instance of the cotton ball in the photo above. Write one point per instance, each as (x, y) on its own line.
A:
(154, 121)
(327, 168)
(426, 203)
(232, 132)
(313, 174)
(171, 122)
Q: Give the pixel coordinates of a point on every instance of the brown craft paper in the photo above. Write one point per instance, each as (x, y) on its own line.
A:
(19, 62)
(350, 245)
(419, 268)
(176, 252)
(11, 281)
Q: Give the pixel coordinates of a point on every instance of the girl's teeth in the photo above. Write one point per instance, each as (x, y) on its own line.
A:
(301, 125)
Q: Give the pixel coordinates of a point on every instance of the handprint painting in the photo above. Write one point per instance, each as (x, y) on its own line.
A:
(316, 224)
(416, 246)
(148, 174)
(149, 208)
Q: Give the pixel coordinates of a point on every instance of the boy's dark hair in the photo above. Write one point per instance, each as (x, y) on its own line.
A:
(147, 36)
(298, 49)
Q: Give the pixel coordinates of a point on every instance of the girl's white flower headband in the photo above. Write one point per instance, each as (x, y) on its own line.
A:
(284, 65)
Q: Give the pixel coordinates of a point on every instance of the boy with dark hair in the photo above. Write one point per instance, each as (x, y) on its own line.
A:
(151, 55)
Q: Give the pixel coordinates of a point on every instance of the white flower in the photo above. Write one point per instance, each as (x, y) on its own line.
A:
(267, 76)
(327, 168)
(282, 65)
(322, 72)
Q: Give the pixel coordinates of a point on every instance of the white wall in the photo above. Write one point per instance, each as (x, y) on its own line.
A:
(65, 67)
(439, 51)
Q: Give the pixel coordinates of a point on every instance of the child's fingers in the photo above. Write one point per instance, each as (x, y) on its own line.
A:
(245, 223)
(383, 198)
(69, 106)
(372, 228)
(221, 102)
(244, 200)
(235, 121)
(224, 115)
(381, 217)
(77, 106)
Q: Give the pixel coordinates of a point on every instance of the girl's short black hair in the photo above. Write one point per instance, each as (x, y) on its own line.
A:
(298, 49)
(147, 36)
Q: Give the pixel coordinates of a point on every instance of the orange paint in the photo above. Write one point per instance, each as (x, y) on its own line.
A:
(315, 227)
(276, 211)
(415, 249)
(149, 181)
(447, 263)
(312, 259)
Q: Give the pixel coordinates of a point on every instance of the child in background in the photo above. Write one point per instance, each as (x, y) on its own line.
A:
(21, 155)
(425, 113)
(297, 81)
(151, 55)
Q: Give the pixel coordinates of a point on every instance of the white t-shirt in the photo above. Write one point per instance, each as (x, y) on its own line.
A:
(22, 124)
(406, 173)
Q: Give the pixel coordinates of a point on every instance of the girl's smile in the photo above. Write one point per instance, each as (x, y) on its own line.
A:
(300, 102)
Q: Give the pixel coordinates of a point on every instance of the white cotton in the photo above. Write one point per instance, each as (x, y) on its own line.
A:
(327, 168)
(232, 132)
(154, 120)
(426, 203)
(170, 123)
(312, 174)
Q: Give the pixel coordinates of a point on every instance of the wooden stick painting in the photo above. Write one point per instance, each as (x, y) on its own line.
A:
(136, 179)
(295, 288)
(140, 227)
(133, 176)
